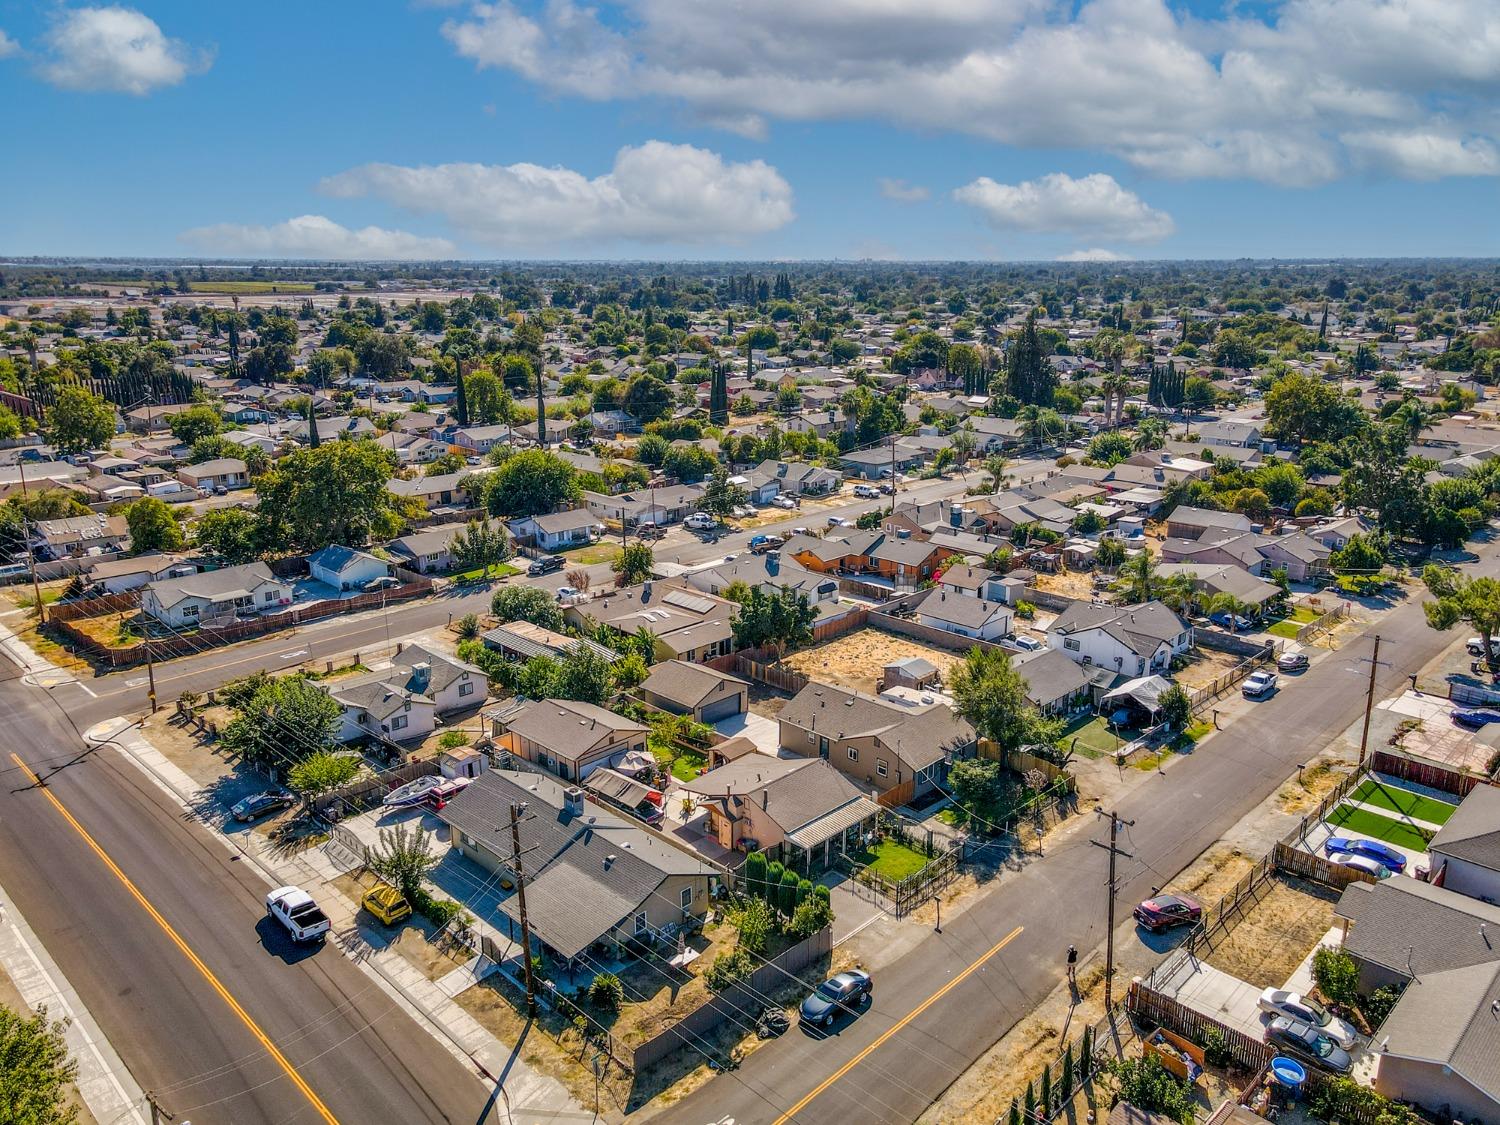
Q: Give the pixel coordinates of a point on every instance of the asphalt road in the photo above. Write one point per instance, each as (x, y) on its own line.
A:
(355, 1048)
(125, 692)
(889, 1064)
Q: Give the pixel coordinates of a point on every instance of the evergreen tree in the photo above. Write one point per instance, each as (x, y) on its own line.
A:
(1015, 1112)
(1086, 1053)
(1031, 377)
(718, 394)
(1030, 1102)
(1065, 1082)
(312, 426)
(1047, 1090)
(1323, 327)
(460, 398)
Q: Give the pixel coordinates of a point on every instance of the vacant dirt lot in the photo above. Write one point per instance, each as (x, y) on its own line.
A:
(1207, 665)
(855, 660)
(1277, 932)
(1068, 584)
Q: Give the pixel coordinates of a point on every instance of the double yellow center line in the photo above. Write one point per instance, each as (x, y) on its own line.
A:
(898, 1025)
(187, 951)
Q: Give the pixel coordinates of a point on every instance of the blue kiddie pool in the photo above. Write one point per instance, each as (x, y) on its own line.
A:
(1288, 1073)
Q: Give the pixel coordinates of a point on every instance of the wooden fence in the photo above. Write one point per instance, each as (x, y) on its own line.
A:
(740, 1004)
(772, 675)
(929, 634)
(1295, 861)
(1205, 695)
(1425, 773)
(360, 795)
(1322, 624)
(100, 605)
(845, 623)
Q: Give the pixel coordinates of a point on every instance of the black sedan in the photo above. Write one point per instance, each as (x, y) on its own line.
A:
(258, 805)
(846, 991)
(546, 565)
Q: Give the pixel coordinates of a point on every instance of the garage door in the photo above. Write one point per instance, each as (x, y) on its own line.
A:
(724, 708)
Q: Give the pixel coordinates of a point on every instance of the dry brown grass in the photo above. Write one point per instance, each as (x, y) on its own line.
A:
(1068, 584)
(856, 659)
(1301, 796)
(1207, 665)
(1277, 932)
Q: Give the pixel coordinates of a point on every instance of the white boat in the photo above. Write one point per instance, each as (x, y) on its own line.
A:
(413, 792)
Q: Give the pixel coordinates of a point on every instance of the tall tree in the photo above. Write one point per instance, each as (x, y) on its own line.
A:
(460, 394)
(35, 1070)
(80, 420)
(1031, 377)
(991, 695)
(336, 493)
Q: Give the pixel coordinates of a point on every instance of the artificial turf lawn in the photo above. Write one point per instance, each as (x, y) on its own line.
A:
(1404, 801)
(1378, 827)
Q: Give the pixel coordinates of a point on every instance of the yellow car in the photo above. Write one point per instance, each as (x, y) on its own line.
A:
(387, 904)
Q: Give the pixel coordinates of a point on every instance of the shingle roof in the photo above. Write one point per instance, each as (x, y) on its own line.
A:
(1206, 517)
(213, 585)
(794, 791)
(569, 727)
(957, 609)
(920, 739)
(1450, 1019)
(687, 684)
(1437, 928)
(1472, 833)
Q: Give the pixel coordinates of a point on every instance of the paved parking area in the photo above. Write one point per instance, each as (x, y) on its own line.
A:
(1217, 994)
(764, 732)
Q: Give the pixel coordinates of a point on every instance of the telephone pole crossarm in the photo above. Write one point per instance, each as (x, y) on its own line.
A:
(1114, 850)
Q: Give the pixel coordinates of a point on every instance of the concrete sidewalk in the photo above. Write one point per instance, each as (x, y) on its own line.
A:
(532, 1096)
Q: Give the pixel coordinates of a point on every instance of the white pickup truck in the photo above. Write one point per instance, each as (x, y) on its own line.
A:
(295, 909)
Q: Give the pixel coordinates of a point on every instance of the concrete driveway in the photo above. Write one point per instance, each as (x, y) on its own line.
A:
(764, 732)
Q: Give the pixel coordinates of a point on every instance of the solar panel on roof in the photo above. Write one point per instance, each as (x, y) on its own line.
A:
(690, 602)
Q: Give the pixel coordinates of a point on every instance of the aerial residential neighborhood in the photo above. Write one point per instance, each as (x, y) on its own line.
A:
(750, 564)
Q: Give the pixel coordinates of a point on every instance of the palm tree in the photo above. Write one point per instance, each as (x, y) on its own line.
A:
(1235, 607)
(994, 466)
(1177, 593)
(1150, 434)
(962, 443)
(1139, 574)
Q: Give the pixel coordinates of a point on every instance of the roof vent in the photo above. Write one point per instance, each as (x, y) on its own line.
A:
(609, 859)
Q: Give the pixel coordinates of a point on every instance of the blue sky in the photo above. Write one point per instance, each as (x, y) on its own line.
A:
(1012, 129)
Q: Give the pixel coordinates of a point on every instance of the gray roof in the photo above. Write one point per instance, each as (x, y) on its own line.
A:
(1472, 833)
(834, 823)
(920, 739)
(688, 684)
(1451, 1019)
(569, 727)
(1141, 628)
(965, 612)
(442, 669)
(1225, 578)
(793, 792)
(1207, 517)
(213, 585)
(681, 617)
(966, 577)
(338, 558)
(1439, 927)
(527, 640)
(377, 693)
(566, 521)
(1050, 675)
(585, 875)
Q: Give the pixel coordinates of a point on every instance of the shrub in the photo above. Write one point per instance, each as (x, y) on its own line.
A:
(822, 892)
(438, 911)
(810, 917)
(1046, 1098)
(468, 626)
(321, 772)
(804, 890)
(453, 739)
(1379, 1004)
(1025, 611)
(772, 891)
(757, 924)
(1146, 1084)
(755, 874)
(786, 896)
(728, 969)
(1340, 1099)
(606, 992)
(1065, 1081)
(1216, 1049)
(1337, 975)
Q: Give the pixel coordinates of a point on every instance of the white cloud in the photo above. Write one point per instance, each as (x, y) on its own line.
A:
(1057, 203)
(655, 193)
(314, 236)
(1093, 254)
(903, 192)
(8, 46)
(1423, 155)
(1270, 97)
(116, 49)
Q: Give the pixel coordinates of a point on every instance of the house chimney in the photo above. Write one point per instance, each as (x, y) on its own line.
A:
(646, 592)
(573, 801)
(421, 676)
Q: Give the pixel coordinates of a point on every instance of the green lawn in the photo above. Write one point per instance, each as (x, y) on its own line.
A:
(687, 766)
(1194, 733)
(480, 574)
(951, 817)
(1285, 628)
(596, 553)
(893, 860)
(1378, 827)
(1372, 792)
(1094, 738)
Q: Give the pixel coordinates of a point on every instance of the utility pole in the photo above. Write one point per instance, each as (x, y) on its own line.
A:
(150, 668)
(1364, 734)
(516, 810)
(1109, 934)
(36, 589)
(158, 1115)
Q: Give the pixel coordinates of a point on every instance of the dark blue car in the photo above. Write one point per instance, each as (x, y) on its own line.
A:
(1231, 621)
(1383, 854)
(1475, 716)
(845, 991)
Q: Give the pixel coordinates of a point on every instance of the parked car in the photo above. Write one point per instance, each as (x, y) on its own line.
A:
(839, 521)
(1231, 621)
(760, 544)
(866, 491)
(1259, 684)
(384, 582)
(295, 909)
(1475, 645)
(1361, 863)
(790, 503)
(887, 489)
(845, 991)
(386, 903)
(700, 521)
(1383, 854)
(1291, 661)
(1025, 643)
(566, 592)
(1309, 1042)
(258, 805)
(546, 565)
(1474, 716)
(1165, 912)
(1304, 1009)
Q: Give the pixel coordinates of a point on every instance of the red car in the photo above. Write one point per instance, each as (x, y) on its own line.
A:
(1165, 912)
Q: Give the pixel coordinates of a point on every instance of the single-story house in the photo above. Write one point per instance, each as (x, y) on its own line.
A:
(659, 506)
(1131, 640)
(800, 811)
(75, 537)
(521, 640)
(216, 596)
(559, 530)
(446, 490)
(119, 575)
(703, 693)
(1054, 684)
(1211, 580)
(346, 568)
(567, 737)
(1191, 523)
(1303, 556)
(1465, 854)
(688, 624)
(595, 880)
(221, 472)
(967, 617)
(426, 552)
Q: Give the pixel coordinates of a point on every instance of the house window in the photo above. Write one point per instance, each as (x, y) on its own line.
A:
(270, 596)
(686, 897)
(190, 611)
(640, 922)
(881, 767)
(853, 754)
(465, 689)
(1070, 643)
(398, 723)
